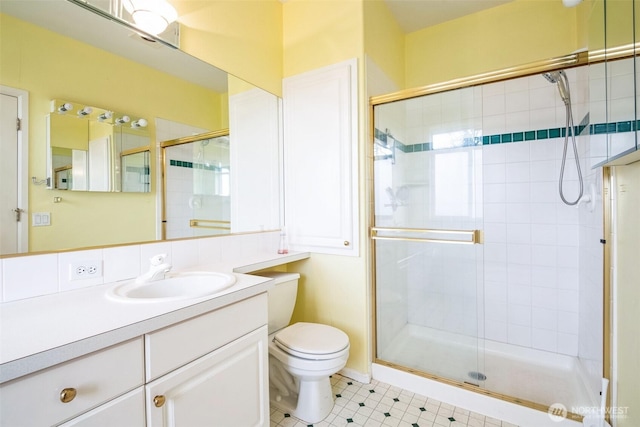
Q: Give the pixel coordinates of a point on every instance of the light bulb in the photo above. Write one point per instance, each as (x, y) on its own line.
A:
(123, 119)
(85, 111)
(140, 123)
(105, 116)
(571, 3)
(65, 107)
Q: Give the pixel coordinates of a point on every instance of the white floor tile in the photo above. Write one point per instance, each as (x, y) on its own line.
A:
(380, 405)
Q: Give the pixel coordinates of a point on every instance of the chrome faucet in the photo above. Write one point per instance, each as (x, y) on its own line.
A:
(157, 269)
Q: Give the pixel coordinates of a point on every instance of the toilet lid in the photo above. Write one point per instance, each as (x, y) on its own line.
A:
(311, 340)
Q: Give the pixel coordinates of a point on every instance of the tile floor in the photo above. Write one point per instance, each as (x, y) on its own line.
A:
(379, 404)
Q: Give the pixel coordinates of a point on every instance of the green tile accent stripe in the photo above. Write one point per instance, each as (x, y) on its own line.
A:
(530, 135)
(191, 165)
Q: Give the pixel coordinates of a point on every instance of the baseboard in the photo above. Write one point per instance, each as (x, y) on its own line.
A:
(356, 375)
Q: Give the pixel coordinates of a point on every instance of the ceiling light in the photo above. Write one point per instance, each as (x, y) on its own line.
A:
(152, 16)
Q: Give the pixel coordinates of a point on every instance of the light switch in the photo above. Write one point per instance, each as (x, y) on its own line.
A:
(41, 219)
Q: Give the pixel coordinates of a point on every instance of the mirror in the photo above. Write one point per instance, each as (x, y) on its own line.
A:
(100, 62)
(95, 149)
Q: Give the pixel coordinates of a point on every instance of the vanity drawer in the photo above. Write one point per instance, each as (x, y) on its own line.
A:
(177, 345)
(37, 399)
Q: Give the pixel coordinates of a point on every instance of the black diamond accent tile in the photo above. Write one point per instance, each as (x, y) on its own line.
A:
(415, 425)
(349, 383)
(372, 391)
(287, 415)
(361, 403)
(349, 420)
(395, 399)
(309, 425)
(386, 414)
(338, 395)
(423, 409)
(452, 419)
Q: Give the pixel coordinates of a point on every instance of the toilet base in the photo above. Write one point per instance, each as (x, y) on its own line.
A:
(313, 403)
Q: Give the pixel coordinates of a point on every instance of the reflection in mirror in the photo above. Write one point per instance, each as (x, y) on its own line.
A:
(86, 149)
(177, 94)
(196, 186)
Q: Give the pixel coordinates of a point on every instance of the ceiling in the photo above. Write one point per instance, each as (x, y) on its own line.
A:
(413, 15)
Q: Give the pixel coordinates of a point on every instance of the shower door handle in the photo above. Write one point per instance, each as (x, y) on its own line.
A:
(466, 237)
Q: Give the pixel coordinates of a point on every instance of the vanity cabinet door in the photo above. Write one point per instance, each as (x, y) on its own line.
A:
(227, 387)
(125, 411)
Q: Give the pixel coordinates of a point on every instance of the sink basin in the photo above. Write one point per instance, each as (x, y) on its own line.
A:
(177, 286)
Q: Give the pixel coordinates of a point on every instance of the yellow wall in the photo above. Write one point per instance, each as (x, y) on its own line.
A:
(49, 67)
(244, 38)
(333, 289)
(628, 298)
(384, 41)
(516, 33)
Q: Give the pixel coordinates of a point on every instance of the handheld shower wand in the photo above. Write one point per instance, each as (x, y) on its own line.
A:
(560, 78)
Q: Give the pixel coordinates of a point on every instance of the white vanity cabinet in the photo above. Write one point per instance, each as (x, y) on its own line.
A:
(211, 370)
(208, 370)
(57, 394)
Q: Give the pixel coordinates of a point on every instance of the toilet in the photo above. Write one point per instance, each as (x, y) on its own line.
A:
(302, 356)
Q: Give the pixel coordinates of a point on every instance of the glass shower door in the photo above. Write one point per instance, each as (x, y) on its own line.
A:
(428, 260)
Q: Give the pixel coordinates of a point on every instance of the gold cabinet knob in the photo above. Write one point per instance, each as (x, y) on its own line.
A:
(67, 395)
(159, 401)
(346, 243)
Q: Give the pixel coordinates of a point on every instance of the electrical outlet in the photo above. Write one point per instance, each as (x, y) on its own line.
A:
(82, 270)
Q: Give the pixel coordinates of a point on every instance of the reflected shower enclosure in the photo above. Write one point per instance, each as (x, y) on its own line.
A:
(197, 186)
(484, 277)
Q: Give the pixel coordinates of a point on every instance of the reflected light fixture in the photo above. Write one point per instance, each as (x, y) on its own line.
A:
(140, 123)
(122, 120)
(571, 3)
(85, 111)
(152, 16)
(105, 116)
(65, 107)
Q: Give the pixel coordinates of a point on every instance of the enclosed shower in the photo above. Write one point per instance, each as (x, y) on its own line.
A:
(485, 278)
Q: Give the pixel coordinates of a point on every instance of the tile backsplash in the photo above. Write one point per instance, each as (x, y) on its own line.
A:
(36, 275)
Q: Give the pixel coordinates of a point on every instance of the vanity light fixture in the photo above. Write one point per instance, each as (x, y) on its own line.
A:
(152, 16)
(123, 120)
(64, 108)
(105, 116)
(85, 111)
(140, 123)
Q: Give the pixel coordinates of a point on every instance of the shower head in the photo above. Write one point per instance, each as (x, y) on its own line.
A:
(559, 78)
(552, 76)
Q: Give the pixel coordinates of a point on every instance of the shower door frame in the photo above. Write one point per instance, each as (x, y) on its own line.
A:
(194, 223)
(539, 67)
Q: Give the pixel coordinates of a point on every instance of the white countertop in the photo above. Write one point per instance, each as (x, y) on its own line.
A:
(37, 333)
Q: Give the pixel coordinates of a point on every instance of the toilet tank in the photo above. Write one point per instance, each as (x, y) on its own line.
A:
(281, 298)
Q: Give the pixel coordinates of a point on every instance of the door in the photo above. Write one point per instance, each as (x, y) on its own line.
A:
(13, 171)
(428, 263)
(227, 387)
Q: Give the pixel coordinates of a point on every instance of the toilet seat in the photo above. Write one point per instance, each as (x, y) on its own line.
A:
(312, 341)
